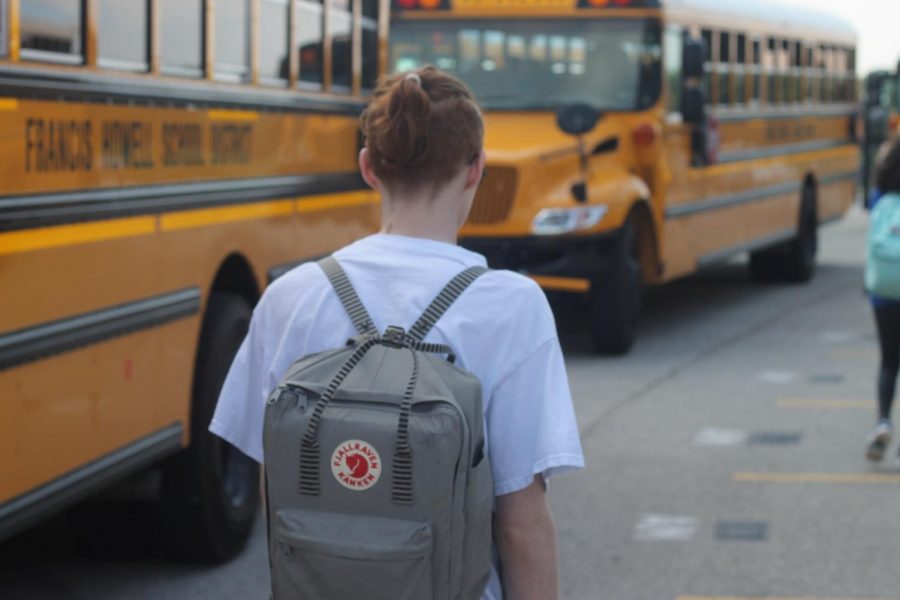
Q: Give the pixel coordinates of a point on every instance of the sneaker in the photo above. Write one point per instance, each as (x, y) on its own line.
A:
(879, 440)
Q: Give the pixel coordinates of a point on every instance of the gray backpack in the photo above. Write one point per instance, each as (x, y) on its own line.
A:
(377, 484)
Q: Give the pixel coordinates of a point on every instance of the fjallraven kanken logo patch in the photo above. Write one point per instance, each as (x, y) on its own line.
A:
(356, 465)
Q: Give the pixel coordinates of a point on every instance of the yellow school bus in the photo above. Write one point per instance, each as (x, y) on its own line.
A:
(162, 162)
(632, 142)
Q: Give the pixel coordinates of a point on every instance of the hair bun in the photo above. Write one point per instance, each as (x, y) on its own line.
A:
(421, 127)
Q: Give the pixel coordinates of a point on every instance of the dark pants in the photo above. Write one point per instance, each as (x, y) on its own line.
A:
(887, 319)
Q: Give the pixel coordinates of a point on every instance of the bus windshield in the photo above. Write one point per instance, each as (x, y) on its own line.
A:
(522, 65)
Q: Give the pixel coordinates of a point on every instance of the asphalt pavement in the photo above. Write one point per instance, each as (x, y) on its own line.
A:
(725, 460)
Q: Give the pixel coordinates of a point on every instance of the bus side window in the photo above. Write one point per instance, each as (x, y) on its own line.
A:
(4, 39)
(725, 68)
(673, 44)
(772, 79)
(310, 18)
(369, 44)
(341, 46)
(122, 27)
(740, 70)
(273, 42)
(232, 37)
(707, 36)
(51, 30)
(756, 71)
(181, 37)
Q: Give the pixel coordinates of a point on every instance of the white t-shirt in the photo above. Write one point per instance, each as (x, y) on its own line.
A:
(501, 329)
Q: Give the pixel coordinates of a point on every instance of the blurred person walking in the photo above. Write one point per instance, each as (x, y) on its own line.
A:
(423, 152)
(883, 286)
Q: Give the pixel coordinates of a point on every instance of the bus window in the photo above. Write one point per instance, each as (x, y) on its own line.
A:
(341, 46)
(51, 30)
(770, 65)
(309, 42)
(610, 65)
(273, 41)
(232, 37)
(707, 37)
(756, 71)
(577, 56)
(181, 37)
(740, 70)
(4, 40)
(369, 43)
(724, 69)
(672, 59)
(122, 27)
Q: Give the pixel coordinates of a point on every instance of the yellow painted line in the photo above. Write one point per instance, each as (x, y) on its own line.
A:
(562, 284)
(81, 233)
(816, 478)
(319, 203)
(861, 353)
(190, 219)
(9, 104)
(232, 115)
(825, 403)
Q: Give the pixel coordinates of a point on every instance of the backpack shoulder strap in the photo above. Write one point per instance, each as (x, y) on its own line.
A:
(344, 290)
(443, 301)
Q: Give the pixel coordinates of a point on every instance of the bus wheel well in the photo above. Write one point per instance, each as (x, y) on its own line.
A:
(235, 276)
(648, 251)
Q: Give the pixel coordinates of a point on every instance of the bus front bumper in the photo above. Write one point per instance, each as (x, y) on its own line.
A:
(562, 263)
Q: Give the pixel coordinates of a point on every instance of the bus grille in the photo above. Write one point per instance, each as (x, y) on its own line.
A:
(495, 196)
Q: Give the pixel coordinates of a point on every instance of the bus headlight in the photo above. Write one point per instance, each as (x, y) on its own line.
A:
(552, 221)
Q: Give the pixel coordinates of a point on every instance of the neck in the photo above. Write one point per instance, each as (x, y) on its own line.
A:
(421, 216)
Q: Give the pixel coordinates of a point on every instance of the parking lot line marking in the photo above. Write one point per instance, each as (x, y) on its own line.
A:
(860, 478)
(825, 403)
(714, 437)
(672, 528)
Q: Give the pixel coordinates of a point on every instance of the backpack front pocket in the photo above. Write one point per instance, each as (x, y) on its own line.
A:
(330, 556)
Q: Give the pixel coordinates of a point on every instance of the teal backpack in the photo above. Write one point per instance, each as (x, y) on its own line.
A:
(883, 253)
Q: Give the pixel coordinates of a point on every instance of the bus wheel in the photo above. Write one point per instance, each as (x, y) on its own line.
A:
(800, 260)
(795, 261)
(766, 266)
(211, 490)
(615, 299)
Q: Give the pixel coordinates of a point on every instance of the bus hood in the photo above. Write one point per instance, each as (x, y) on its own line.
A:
(512, 137)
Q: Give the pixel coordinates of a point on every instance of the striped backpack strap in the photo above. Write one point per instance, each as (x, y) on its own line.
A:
(344, 290)
(443, 301)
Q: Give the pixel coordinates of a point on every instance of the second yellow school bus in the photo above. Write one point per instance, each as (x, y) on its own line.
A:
(721, 128)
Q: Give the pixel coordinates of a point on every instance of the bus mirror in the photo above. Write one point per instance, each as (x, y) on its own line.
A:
(693, 57)
(693, 105)
(577, 119)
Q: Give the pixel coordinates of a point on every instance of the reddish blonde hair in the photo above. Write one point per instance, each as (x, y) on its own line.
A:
(421, 128)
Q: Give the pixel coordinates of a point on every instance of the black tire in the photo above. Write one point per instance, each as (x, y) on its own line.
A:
(615, 298)
(795, 261)
(800, 260)
(766, 266)
(210, 495)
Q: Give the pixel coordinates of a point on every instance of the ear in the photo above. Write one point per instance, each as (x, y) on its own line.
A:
(475, 171)
(365, 168)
